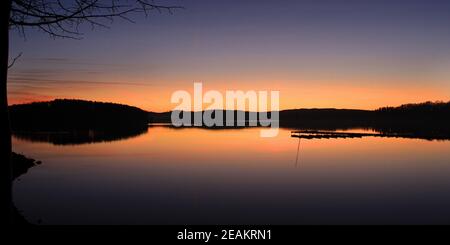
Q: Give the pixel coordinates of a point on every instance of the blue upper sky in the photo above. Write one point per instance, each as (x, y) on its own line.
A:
(386, 47)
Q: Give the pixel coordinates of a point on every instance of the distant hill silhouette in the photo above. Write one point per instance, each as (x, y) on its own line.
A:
(423, 112)
(326, 118)
(65, 121)
(429, 120)
(64, 114)
(87, 121)
(428, 112)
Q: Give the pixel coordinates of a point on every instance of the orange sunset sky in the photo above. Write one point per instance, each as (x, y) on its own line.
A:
(353, 55)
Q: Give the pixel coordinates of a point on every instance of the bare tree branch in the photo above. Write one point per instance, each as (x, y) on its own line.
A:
(14, 60)
(62, 18)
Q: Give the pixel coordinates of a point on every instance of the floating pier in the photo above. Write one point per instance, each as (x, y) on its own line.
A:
(319, 134)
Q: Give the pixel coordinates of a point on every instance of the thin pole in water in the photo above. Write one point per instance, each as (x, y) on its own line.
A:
(298, 150)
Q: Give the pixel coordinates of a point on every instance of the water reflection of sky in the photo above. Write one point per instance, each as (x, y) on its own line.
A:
(191, 176)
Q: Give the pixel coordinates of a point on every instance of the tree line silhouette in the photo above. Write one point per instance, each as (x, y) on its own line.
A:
(88, 121)
(67, 115)
(427, 113)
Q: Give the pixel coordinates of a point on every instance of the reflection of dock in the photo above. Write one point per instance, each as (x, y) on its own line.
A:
(318, 134)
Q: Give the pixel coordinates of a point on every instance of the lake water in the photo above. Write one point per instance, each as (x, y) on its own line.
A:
(201, 176)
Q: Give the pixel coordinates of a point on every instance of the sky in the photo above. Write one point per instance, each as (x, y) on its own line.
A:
(318, 54)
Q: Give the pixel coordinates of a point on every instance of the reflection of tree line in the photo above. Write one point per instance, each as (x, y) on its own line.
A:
(327, 134)
(79, 136)
(65, 122)
(425, 121)
(398, 130)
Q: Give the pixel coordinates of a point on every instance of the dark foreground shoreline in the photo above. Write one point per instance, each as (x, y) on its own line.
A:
(21, 164)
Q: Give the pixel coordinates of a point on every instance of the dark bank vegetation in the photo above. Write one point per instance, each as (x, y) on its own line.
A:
(20, 165)
(64, 122)
(429, 120)
(430, 112)
(77, 121)
(66, 115)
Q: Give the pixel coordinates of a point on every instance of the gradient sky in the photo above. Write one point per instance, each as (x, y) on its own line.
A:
(343, 54)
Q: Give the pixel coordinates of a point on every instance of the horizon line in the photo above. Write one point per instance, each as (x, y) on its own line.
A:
(310, 108)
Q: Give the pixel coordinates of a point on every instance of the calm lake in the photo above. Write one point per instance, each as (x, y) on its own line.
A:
(232, 176)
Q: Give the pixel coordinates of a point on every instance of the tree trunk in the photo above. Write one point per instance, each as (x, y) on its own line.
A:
(5, 129)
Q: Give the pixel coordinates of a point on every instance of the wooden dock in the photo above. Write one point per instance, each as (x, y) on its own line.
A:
(319, 134)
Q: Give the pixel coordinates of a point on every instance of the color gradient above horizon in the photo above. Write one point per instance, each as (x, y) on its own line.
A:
(341, 54)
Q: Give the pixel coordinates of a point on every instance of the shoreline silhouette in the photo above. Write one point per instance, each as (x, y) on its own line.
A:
(65, 121)
(20, 166)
